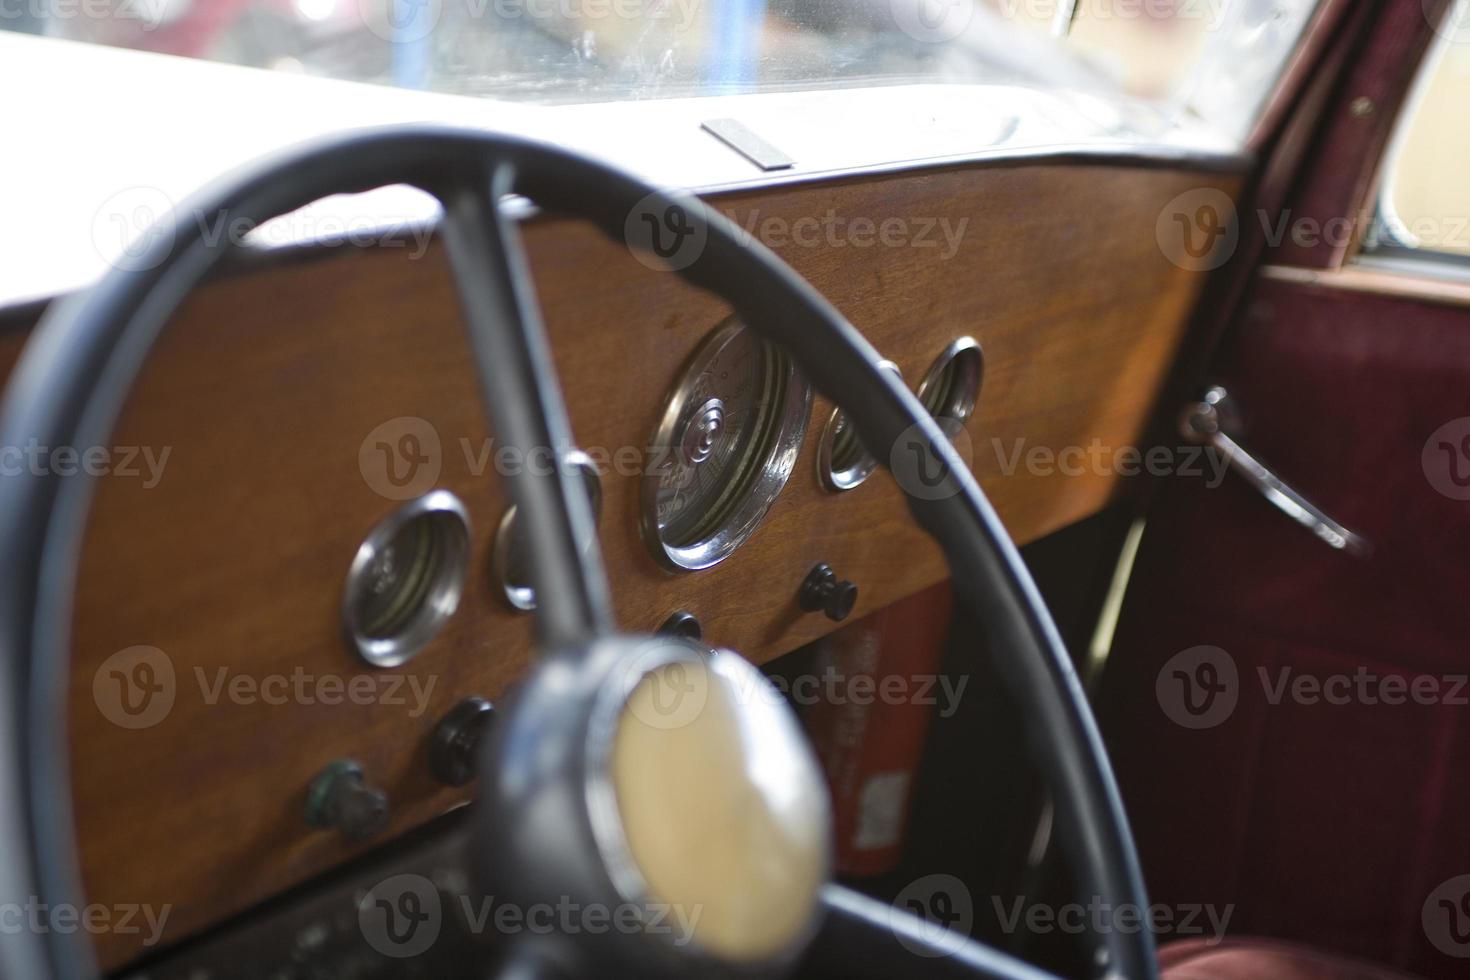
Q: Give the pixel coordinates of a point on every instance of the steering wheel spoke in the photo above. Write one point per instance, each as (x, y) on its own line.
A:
(524, 401)
(862, 937)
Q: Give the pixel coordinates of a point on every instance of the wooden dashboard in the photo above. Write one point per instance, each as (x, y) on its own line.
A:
(266, 386)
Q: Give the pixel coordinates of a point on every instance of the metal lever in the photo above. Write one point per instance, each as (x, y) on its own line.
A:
(1210, 421)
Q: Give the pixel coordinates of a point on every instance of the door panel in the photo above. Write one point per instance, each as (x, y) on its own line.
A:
(1329, 818)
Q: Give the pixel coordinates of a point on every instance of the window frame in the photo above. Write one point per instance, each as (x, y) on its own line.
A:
(1384, 245)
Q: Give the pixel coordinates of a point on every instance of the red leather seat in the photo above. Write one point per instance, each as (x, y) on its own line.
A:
(1263, 959)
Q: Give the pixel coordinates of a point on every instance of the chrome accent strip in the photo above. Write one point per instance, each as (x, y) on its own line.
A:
(746, 142)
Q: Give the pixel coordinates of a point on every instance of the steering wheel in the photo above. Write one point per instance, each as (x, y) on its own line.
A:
(587, 774)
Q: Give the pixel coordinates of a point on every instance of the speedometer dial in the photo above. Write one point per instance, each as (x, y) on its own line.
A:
(724, 448)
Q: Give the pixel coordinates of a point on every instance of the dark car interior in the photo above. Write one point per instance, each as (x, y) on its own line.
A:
(576, 489)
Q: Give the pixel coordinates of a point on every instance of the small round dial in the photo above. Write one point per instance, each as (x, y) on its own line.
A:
(842, 461)
(726, 444)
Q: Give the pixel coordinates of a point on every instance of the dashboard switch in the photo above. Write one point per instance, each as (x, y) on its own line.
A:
(823, 590)
(455, 744)
(340, 798)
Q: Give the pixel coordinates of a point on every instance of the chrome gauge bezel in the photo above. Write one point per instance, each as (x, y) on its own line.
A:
(846, 464)
(438, 597)
(951, 386)
(509, 539)
(778, 445)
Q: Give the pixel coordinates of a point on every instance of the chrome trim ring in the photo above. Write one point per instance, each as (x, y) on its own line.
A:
(509, 563)
(951, 386)
(785, 410)
(842, 462)
(428, 591)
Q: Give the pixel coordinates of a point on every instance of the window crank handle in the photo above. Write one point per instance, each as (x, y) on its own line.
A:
(1211, 421)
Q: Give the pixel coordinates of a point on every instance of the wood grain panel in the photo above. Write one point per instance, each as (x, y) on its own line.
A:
(267, 384)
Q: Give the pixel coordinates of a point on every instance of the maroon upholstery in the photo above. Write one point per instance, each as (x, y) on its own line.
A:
(1263, 959)
(1329, 825)
(1345, 161)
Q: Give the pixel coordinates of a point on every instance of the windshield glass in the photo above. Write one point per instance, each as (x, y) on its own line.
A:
(574, 50)
(558, 51)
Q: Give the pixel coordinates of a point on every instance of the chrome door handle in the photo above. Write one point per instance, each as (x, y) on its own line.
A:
(1211, 422)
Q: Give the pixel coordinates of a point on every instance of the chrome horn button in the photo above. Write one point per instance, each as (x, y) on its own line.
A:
(659, 783)
(722, 813)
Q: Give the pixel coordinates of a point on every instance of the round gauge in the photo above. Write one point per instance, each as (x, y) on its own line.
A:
(951, 387)
(406, 579)
(842, 462)
(510, 555)
(724, 448)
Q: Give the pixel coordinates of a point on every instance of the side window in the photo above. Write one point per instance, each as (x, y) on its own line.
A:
(1424, 199)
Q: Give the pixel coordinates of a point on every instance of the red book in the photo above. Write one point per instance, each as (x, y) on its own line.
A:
(867, 705)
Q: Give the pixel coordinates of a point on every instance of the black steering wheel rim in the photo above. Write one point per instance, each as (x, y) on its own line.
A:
(77, 370)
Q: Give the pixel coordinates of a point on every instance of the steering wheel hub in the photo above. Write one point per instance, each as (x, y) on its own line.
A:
(721, 805)
(669, 780)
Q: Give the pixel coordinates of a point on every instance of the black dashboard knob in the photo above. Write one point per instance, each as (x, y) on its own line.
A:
(455, 745)
(823, 590)
(340, 798)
